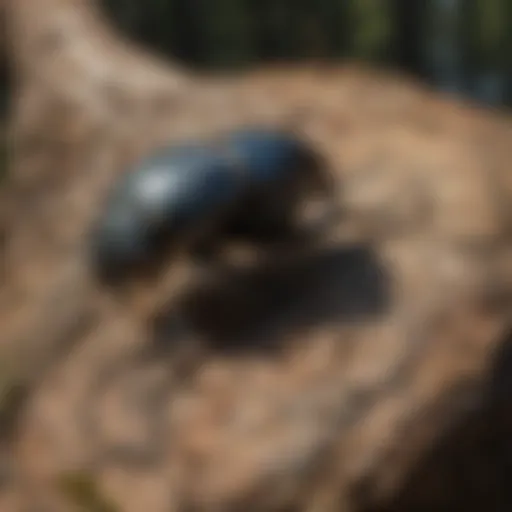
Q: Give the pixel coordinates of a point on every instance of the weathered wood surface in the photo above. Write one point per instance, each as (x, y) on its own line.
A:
(329, 380)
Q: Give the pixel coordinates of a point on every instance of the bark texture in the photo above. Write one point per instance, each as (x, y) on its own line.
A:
(341, 380)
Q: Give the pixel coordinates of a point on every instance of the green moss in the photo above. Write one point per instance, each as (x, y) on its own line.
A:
(81, 489)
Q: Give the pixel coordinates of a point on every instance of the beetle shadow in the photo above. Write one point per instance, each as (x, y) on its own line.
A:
(251, 309)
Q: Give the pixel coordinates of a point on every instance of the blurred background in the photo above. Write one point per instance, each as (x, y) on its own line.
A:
(463, 46)
(460, 46)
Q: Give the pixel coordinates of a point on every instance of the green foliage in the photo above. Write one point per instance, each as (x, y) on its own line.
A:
(232, 32)
(229, 32)
(372, 28)
(490, 32)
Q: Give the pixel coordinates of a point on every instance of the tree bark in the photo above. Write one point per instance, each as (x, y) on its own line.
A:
(371, 351)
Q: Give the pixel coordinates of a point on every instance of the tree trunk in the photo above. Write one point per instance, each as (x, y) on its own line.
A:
(354, 360)
(410, 27)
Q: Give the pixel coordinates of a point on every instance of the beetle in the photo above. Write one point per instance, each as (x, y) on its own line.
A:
(282, 171)
(164, 198)
(244, 184)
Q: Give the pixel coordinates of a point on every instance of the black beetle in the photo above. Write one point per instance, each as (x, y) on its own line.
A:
(281, 171)
(166, 197)
(247, 183)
